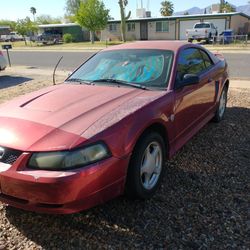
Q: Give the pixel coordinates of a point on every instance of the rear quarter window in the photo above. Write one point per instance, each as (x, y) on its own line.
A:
(207, 60)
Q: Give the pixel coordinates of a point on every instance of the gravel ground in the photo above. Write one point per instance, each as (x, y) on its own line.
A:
(203, 202)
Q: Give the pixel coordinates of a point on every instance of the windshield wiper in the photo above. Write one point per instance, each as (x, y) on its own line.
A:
(79, 81)
(120, 82)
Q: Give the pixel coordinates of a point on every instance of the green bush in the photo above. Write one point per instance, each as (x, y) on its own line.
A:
(67, 38)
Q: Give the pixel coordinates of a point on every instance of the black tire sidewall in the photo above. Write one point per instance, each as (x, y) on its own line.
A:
(134, 186)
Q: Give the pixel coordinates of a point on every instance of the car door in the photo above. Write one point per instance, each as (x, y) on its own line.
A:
(193, 102)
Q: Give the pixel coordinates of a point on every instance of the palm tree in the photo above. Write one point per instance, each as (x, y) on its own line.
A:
(167, 8)
(33, 12)
(222, 2)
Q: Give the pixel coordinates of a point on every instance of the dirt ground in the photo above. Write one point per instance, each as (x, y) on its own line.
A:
(203, 202)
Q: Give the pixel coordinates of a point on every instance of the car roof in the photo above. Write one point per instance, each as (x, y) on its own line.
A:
(164, 45)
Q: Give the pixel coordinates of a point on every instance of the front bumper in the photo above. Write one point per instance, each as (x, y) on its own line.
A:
(61, 191)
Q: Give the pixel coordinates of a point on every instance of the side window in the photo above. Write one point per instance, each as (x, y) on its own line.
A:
(190, 62)
(207, 60)
(112, 27)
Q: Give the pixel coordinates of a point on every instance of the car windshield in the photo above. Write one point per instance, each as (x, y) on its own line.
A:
(146, 68)
(202, 25)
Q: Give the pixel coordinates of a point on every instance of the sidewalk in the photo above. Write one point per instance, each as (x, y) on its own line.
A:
(241, 84)
(94, 48)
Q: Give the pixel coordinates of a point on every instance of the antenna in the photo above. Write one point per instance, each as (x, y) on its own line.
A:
(54, 73)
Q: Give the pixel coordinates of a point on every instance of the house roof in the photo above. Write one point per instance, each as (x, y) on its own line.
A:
(57, 25)
(4, 27)
(196, 16)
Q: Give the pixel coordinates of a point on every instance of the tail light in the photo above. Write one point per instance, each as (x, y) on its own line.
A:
(1, 53)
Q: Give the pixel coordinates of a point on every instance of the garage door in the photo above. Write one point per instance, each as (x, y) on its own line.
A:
(219, 23)
(184, 25)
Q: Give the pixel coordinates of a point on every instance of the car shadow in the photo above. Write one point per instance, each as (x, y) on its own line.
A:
(10, 81)
(200, 204)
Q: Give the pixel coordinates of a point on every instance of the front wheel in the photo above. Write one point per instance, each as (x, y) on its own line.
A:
(219, 114)
(146, 166)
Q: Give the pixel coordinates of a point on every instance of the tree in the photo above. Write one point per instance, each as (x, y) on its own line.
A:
(72, 6)
(227, 7)
(167, 8)
(25, 27)
(221, 5)
(33, 12)
(123, 4)
(47, 19)
(186, 13)
(92, 15)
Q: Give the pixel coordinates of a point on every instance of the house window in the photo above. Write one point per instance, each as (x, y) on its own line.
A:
(162, 26)
(131, 26)
(112, 27)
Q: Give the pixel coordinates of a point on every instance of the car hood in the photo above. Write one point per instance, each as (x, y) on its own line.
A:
(57, 117)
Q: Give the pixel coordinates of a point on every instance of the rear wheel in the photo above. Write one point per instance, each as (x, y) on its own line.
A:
(219, 114)
(146, 166)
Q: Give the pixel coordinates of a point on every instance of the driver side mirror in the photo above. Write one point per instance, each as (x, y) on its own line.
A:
(190, 79)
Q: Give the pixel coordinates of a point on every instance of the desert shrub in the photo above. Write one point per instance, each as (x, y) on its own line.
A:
(67, 38)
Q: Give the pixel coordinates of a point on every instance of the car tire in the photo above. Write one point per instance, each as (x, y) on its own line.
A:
(220, 111)
(146, 167)
(207, 41)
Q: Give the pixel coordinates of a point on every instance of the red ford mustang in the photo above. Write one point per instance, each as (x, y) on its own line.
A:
(109, 128)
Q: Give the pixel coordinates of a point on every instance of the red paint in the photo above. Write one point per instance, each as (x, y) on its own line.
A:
(67, 116)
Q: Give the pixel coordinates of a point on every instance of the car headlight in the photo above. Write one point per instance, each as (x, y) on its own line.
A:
(63, 160)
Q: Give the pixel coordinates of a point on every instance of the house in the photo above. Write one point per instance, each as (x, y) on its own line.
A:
(5, 30)
(74, 29)
(174, 27)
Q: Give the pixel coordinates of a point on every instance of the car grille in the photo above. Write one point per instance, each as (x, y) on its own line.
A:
(9, 156)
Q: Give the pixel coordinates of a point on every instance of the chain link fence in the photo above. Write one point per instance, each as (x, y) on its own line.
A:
(231, 40)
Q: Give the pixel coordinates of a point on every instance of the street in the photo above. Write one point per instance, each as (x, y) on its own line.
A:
(48, 59)
(238, 62)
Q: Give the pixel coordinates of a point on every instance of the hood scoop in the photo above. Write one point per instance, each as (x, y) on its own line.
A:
(33, 99)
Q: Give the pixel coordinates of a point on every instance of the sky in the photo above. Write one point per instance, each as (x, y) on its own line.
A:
(18, 9)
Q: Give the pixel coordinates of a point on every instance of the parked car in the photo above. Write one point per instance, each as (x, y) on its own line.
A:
(3, 62)
(202, 31)
(12, 37)
(49, 37)
(110, 127)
